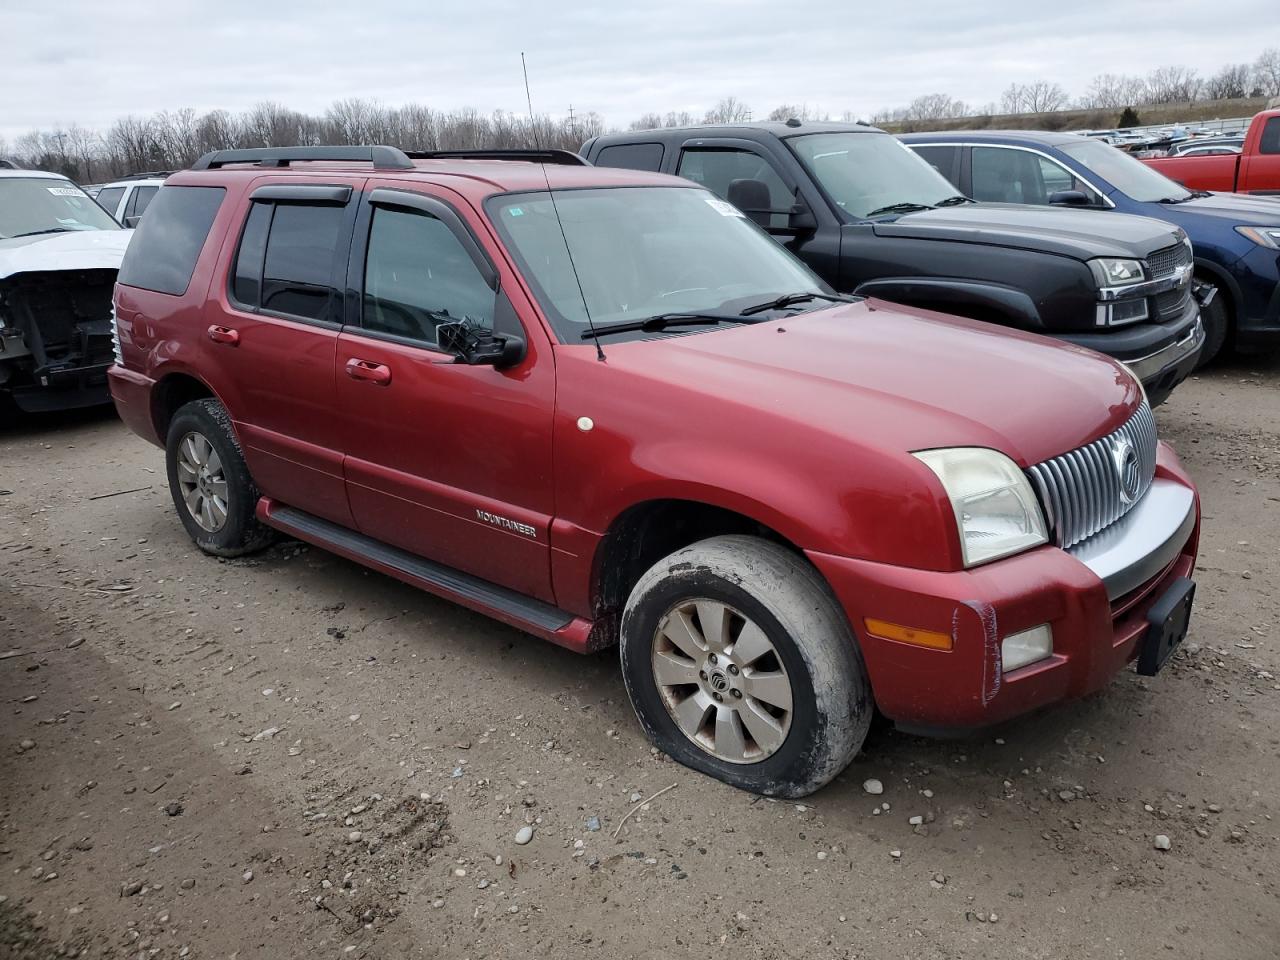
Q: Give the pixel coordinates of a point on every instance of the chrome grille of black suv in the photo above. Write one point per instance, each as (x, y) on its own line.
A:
(1081, 490)
(1164, 262)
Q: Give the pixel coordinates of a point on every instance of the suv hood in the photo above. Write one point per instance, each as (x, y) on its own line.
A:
(77, 250)
(1227, 208)
(899, 379)
(1081, 234)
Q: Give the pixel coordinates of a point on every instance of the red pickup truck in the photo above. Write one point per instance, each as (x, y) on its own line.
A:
(1256, 169)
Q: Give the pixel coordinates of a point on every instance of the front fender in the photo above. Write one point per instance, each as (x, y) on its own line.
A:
(980, 300)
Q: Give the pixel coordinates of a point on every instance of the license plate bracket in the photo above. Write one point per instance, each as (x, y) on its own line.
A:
(1167, 623)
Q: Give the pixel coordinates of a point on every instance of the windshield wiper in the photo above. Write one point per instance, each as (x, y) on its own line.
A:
(901, 208)
(791, 299)
(36, 233)
(1190, 196)
(954, 201)
(661, 321)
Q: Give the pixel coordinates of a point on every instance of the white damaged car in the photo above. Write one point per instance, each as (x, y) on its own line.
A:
(59, 253)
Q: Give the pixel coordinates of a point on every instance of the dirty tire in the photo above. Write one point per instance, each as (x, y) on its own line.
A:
(241, 532)
(1217, 325)
(781, 593)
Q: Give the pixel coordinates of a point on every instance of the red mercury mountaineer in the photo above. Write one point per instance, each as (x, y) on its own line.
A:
(604, 407)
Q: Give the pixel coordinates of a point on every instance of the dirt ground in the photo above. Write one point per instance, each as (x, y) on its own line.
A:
(288, 756)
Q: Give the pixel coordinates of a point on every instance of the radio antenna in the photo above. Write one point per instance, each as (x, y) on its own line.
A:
(533, 127)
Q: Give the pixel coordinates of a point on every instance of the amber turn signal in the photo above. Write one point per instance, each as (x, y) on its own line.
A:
(912, 635)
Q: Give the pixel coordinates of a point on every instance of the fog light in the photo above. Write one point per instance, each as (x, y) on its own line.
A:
(1020, 649)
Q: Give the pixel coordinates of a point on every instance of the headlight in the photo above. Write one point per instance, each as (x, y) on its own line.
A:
(996, 511)
(1264, 236)
(1109, 272)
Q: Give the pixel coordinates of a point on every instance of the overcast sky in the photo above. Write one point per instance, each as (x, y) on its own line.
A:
(88, 62)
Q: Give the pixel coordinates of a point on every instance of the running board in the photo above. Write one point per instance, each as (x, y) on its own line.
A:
(521, 611)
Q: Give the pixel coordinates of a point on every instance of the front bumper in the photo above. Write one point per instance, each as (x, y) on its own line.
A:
(1167, 367)
(1095, 602)
(59, 388)
(1258, 314)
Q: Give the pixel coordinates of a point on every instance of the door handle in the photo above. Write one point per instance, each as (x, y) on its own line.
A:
(370, 372)
(224, 335)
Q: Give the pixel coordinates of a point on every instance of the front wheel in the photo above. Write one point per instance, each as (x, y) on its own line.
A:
(741, 665)
(212, 490)
(1217, 324)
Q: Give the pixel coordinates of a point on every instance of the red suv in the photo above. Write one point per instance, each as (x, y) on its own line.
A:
(605, 407)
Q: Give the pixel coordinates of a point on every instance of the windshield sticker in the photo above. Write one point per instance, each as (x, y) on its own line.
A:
(63, 191)
(515, 212)
(726, 209)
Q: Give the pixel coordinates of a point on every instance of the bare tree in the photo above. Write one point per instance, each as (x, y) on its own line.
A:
(1172, 84)
(1230, 82)
(1044, 97)
(1266, 72)
(936, 106)
(1110, 91)
(728, 110)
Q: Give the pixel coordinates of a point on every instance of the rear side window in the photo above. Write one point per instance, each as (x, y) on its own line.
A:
(109, 199)
(140, 200)
(163, 252)
(946, 160)
(1270, 142)
(285, 263)
(631, 156)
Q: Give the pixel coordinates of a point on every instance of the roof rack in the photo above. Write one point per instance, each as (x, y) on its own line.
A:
(565, 157)
(382, 158)
(147, 175)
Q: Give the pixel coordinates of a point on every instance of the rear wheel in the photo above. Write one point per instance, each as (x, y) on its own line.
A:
(741, 665)
(1216, 318)
(212, 490)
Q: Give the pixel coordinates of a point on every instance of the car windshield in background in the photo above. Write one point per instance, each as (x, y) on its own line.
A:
(37, 205)
(641, 252)
(865, 172)
(1130, 176)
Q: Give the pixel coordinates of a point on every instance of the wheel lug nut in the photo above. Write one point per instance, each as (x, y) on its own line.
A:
(718, 698)
(713, 658)
(737, 693)
(733, 669)
(702, 674)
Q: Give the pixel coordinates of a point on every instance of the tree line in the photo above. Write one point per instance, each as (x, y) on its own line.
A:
(1107, 91)
(171, 140)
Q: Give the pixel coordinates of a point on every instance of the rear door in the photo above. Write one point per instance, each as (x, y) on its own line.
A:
(449, 461)
(272, 334)
(140, 198)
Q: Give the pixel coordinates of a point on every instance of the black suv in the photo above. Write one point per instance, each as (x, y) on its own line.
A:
(873, 218)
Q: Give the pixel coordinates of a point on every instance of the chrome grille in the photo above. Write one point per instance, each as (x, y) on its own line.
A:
(1168, 261)
(1081, 490)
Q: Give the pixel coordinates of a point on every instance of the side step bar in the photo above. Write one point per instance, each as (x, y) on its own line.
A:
(521, 611)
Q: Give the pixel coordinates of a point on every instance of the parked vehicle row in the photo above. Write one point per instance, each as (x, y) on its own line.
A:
(872, 219)
(1255, 169)
(605, 406)
(1234, 238)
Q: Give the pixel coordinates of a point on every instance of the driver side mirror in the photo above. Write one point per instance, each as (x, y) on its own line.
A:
(1069, 198)
(480, 346)
(801, 217)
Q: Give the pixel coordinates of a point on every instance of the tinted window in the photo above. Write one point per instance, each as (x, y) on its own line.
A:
(1013, 176)
(942, 159)
(1270, 142)
(166, 245)
(247, 279)
(109, 199)
(717, 169)
(139, 200)
(418, 276)
(631, 156)
(298, 271)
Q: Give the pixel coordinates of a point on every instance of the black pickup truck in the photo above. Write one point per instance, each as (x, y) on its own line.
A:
(871, 217)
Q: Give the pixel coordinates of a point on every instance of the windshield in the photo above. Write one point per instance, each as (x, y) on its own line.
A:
(33, 205)
(863, 172)
(640, 252)
(1131, 177)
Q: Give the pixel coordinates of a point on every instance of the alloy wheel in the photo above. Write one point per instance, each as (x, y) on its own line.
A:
(722, 681)
(202, 481)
